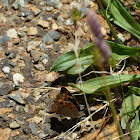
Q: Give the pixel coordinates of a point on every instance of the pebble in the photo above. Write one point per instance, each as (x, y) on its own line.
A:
(51, 77)
(54, 26)
(17, 97)
(42, 135)
(69, 22)
(54, 35)
(6, 69)
(18, 78)
(54, 3)
(18, 3)
(84, 11)
(32, 45)
(12, 33)
(120, 36)
(5, 133)
(49, 9)
(44, 24)
(35, 10)
(14, 125)
(47, 39)
(32, 31)
(39, 67)
(33, 128)
(35, 54)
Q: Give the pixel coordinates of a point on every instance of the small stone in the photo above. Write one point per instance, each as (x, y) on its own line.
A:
(56, 47)
(43, 47)
(69, 22)
(42, 135)
(44, 24)
(14, 125)
(49, 9)
(51, 77)
(120, 36)
(35, 10)
(29, 18)
(17, 97)
(18, 3)
(43, 56)
(13, 64)
(5, 110)
(32, 45)
(54, 3)
(47, 39)
(5, 89)
(54, 35)
(5, 133)
(33, 128)
(45, 61)
(84, 11)
(15, 133)
(37, 119)
(39, 67)
(18, 78)
(32, 31)
(6, 69)
(35, 54)
(12, 33)
(54, 26)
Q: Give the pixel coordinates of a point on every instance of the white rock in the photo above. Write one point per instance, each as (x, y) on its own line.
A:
(32, 45)
(6, 69)
(52, 76)
(45, 61)
(12, 33)
(18, 78)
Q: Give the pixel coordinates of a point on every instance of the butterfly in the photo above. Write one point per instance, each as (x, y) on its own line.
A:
(65, 104)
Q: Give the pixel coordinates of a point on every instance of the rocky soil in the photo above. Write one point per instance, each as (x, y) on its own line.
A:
(33, 34)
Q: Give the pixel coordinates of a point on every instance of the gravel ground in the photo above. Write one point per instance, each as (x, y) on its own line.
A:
(33, 34)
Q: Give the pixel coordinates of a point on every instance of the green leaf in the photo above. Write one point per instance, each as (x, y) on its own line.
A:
(130, 106)
(135, 125)
(98, 84)
(120, 16)
(68, 63)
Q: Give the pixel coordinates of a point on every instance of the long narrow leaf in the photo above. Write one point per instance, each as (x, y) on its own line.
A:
(120, 16)
(99, 84)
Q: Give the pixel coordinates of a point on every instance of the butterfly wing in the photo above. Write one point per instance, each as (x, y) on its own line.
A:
(65, 104)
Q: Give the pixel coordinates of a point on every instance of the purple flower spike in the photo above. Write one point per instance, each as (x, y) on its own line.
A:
(98, 37)
(94, 24)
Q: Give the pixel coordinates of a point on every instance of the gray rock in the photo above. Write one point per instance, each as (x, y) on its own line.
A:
(54, 3)
(12, 55)
(6, 69)
(14, 125)
(5, 89)
(43, 56)
(13, 64)
(35, 54)
(32, 45)
(39, 67)
(18, 78)
(6, 3)
(54, 35)
(42, 135)
(29, 18)
(4, 39)
(47, 39)
(18, 3)
(43, 47)
(11, 104)
(69, 22)
(17, 97)
(57, 47)
(33, 128)
(84, 11)
(49, 9)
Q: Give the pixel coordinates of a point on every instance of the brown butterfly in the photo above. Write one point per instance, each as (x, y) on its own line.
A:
(66, 105)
